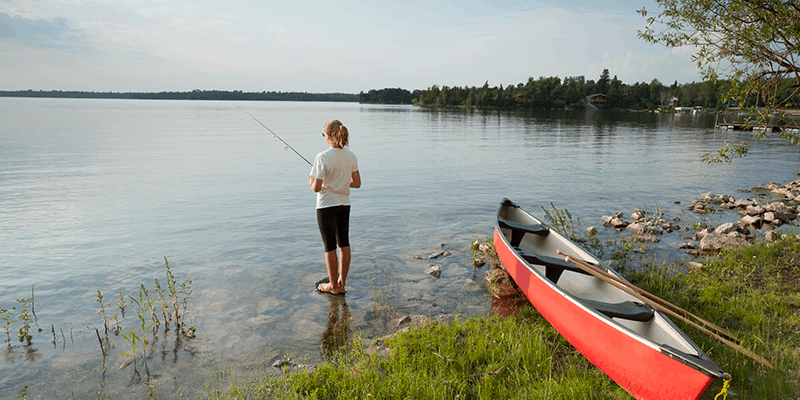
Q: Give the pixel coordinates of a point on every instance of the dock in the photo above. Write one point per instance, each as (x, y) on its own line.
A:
(749, 127)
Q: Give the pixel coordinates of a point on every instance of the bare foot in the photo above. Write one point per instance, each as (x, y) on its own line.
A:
(328, 288)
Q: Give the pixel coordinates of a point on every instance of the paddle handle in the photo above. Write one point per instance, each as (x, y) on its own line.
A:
(596, 273)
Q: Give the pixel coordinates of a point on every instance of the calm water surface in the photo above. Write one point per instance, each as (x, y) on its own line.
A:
(95, 193)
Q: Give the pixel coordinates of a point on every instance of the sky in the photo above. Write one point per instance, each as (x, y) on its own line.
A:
(324, 46)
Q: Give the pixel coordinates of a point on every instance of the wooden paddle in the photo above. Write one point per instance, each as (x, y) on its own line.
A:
(653, 297)
(614, 282)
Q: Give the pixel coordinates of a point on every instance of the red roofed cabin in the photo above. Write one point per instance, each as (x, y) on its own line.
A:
(597, 98)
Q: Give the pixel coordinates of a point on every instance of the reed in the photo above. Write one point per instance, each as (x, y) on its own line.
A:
(5, 316)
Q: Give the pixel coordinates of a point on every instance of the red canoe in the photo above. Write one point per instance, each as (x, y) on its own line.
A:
(636, 346)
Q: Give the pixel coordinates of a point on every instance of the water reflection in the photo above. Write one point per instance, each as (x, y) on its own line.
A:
(337, 332)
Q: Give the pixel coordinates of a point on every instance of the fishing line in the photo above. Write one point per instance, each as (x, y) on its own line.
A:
(279, 138)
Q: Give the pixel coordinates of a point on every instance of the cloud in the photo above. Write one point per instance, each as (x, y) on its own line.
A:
(55, 32)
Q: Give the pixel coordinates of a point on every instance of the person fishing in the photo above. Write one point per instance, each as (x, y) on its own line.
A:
(332, 175)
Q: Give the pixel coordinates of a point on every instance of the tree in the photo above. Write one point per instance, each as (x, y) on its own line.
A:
(756, 43)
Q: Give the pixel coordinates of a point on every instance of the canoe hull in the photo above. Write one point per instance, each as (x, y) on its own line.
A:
(636, 364)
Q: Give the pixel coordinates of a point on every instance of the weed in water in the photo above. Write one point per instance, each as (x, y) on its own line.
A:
(102, 312)
(144, 303)
(122, 304)
(24, 332)
(5, 315)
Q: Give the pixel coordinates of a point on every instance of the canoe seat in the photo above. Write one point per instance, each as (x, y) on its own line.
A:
(518, 230)
(625, 310)
(553, 266)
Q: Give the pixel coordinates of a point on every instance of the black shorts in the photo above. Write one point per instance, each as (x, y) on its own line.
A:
(334, 226)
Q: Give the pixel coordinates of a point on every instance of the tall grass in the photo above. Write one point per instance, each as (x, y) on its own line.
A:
(752, 292)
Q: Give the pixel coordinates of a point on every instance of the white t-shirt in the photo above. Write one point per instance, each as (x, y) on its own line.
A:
(335, 167)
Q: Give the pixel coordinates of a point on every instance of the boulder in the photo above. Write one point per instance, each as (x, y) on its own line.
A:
(716, 241)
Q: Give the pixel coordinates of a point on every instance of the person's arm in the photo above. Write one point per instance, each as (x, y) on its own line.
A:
(355, 180)
(316, 184)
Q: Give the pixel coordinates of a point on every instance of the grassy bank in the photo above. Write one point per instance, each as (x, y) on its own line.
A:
(753, 292)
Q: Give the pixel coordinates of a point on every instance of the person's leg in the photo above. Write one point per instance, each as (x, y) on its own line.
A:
(326, 219)
(332, 263)
(345, 267)
(343, 241)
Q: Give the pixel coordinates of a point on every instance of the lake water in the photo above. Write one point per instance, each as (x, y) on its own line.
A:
(95, 193)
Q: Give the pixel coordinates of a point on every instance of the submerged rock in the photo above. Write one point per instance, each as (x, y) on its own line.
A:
(434, 270)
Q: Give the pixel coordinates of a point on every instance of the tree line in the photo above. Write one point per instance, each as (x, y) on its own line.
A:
(388, 96)
(193, 95)
(553, 92)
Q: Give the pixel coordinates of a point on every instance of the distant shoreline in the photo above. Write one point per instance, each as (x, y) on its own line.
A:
(193, 95)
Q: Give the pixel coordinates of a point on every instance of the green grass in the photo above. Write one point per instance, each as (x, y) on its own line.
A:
(754, 293)
(520, 357)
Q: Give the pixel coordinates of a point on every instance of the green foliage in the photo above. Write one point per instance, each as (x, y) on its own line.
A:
(754, 43)
(562, 221)
(5, 316)
(554, 93)
(752, 292)
(24, 333)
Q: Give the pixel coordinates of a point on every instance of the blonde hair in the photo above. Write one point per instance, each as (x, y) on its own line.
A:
(337, 132)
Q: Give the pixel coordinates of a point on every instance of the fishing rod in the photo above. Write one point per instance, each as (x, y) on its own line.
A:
(279, 138)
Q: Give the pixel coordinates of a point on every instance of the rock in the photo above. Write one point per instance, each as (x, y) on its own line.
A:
(726, 228)
(647, 238)
(689, 246)
(283, 363)
(712, 198)
(606, 220)
(638, 214)
(716, 241)
(439, 254)
(778, 206)
(635, 228)
(754, 221)
(702, 233)
(773, 219)
(743, 203)
(760, 201)
(695, 265)
(592, 230)
(618, 223)
(434, 270)
(771, 236)
(403, 320)
(477, 263)
(754, 210)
